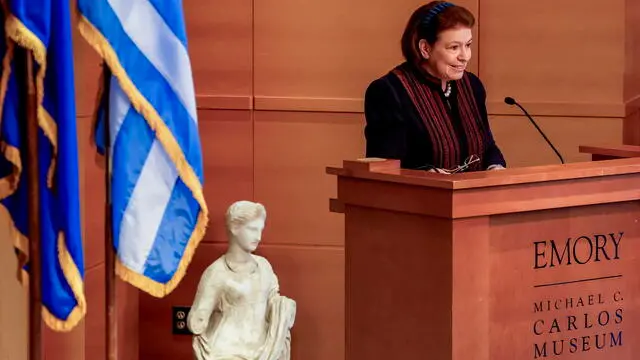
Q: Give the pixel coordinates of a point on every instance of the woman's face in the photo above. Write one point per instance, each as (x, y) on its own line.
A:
(448, 58)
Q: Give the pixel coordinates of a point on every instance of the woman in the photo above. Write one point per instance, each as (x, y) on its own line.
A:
(429, 112)
(238, 312)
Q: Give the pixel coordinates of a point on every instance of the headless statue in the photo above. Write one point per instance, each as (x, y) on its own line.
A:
(238, 312)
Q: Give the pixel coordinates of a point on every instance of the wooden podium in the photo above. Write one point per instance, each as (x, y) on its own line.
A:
(527, 263)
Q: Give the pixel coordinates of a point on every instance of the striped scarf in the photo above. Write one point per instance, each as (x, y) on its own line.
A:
(447, 152)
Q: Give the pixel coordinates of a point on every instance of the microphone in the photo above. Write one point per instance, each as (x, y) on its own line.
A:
(511, 101)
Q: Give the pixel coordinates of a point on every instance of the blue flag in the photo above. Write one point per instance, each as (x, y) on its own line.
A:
(43, 27)
(159, 210)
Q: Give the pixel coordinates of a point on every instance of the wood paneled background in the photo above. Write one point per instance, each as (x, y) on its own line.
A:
(279, 90)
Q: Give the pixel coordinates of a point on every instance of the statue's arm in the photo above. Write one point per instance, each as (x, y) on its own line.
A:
(274, 292)
(274, 284)
(204, 303)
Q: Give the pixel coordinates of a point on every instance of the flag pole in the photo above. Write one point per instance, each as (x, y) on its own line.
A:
(35, 267)
(109, 251)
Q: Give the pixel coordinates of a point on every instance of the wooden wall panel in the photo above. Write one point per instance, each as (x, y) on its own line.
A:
(87, 80)
(632, 73)
(568, 54)
(219, 35)
(94, 193)
(292, 150)
(314, 278)
(128, 332)
(13, 301)
(87, 67)
(95, 323)
(323, 56)
(522, 145)
(156, 338)
(92, 176)
(227, 145)
(64, 346)
(632, 49)
(304, 242)
(93, 219)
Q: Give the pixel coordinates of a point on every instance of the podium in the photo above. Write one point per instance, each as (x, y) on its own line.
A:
(525, 263)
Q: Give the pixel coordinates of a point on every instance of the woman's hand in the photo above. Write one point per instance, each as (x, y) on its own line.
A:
(496, 167)
(439, 171)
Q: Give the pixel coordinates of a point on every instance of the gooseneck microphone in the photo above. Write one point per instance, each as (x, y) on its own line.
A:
(512, 101)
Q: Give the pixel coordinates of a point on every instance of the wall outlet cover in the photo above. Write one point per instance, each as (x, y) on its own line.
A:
(179, 320)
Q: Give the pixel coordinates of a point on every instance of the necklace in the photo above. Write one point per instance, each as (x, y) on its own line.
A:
(447, 91)
(254, 266)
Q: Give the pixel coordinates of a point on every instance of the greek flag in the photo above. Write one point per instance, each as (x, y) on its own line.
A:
(159, 210)
(46, 33)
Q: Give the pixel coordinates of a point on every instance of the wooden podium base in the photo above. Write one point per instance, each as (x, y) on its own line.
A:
(544, 268)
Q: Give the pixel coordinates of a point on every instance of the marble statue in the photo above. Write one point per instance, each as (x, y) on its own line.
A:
(238, 312)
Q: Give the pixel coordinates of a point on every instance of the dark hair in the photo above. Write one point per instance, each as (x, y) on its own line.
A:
(424, 24)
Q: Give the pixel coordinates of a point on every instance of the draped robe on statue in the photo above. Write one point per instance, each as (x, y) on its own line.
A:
(241, 316)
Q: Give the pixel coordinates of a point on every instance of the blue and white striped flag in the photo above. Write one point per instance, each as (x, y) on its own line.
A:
(159, 210)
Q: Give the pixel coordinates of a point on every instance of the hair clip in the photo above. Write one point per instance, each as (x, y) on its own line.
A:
(434, 12)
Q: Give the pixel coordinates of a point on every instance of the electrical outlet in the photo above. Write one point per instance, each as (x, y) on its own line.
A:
(179, 322)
